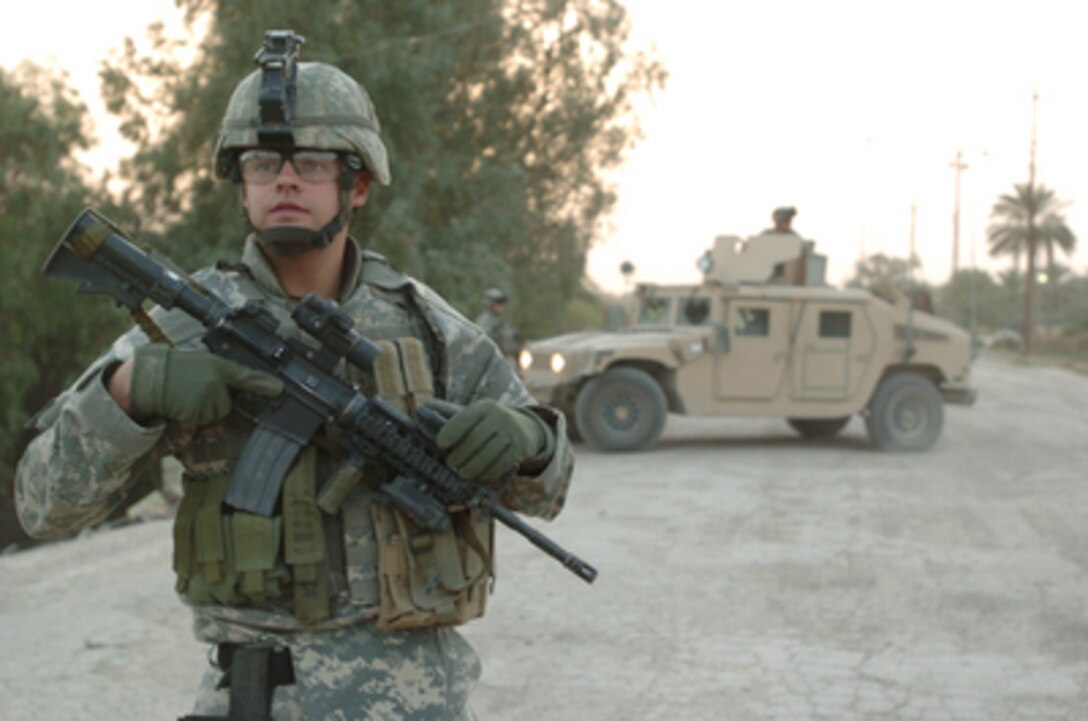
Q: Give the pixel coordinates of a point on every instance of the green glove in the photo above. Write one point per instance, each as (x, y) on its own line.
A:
(191, 387)
(487, 439)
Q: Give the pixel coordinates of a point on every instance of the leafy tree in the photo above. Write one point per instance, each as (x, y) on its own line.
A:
(1011, 284)
(884, 275)
(48, 337)
(1074, 306)
(972, 299)
(500, 116)
(1057, 297)
(1024, 220)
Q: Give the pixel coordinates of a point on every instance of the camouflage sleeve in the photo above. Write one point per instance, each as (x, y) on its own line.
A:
(479, 371)
(544, 493)
(80, 466)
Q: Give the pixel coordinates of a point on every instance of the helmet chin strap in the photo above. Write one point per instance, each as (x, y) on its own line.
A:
(290, 240)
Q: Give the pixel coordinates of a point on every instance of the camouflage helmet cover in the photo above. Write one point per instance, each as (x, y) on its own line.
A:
(332, 112)
(494, 295)
(783, 214)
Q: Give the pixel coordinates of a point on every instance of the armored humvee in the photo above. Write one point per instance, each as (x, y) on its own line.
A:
(763, 335)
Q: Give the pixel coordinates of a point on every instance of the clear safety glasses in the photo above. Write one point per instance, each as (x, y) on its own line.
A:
(262, 167)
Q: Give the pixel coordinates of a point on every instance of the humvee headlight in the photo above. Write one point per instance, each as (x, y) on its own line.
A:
(525, 359)
(557, 363)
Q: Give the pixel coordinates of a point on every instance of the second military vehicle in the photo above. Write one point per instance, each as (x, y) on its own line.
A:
(763, 335)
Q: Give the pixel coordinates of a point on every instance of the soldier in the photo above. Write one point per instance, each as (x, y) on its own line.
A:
(782, 217)
(492, 320)
(319, 612)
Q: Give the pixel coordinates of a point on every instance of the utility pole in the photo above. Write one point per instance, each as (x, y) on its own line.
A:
(912, 258)
(959, 166)
(913, 289)
(913, 228)
(1029, 285)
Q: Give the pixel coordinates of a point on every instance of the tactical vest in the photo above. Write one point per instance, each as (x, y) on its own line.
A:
(333, 538)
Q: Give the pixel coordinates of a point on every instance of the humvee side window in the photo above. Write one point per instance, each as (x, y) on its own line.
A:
(753, 322)
(655, 311)
(834, 324)
(693, 311)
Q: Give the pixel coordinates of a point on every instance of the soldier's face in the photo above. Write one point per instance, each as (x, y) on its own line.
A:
(289, 200)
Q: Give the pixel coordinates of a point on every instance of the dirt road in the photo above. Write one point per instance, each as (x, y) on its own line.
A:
(745, 574)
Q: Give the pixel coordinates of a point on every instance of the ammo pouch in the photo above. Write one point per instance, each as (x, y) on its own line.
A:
(234, 558)
(425, 578)
(429, 578)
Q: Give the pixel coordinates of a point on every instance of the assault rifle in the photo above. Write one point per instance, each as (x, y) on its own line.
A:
(369, 431)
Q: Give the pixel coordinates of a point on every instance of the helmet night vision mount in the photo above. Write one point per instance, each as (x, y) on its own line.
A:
(278, 60)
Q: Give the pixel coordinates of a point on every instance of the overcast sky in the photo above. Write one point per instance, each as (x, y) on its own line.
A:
(850, 110)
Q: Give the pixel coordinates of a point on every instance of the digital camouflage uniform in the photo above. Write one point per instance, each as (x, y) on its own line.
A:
(83, 462)
(499, 329)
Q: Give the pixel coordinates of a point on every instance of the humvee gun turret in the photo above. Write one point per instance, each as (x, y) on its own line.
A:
(763, 335)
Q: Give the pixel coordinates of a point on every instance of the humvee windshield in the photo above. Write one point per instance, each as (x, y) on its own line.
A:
(693, 311)
(655, 311)
(689, 311)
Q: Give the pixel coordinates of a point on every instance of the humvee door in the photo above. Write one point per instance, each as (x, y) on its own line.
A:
(834, 347)
(751, 349)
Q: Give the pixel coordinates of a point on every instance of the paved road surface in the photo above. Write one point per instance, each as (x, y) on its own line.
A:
(745, 574)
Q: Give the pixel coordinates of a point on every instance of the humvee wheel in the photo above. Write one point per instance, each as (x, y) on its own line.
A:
(621, 410)
(906, 413)
(573, 432)
(818, 427)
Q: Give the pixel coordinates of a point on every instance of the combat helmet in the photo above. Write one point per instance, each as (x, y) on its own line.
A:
(783, 214)
(494, 295)
(285, 103)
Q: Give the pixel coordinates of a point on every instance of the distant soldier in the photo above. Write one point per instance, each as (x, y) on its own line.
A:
(782, 218)
(493, 321)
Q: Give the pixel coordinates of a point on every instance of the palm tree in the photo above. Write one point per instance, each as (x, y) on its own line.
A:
(1025, 219)
(1053, 231)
